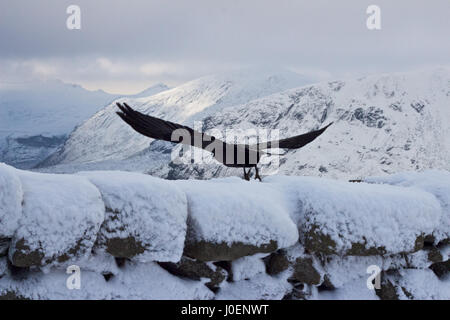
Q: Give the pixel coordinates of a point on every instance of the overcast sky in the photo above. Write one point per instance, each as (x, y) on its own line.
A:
(125, 46)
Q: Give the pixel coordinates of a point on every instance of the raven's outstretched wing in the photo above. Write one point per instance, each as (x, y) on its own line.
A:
(163, 130)
(292, 142)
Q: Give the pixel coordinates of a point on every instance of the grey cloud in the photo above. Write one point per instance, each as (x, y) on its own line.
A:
(329, 36)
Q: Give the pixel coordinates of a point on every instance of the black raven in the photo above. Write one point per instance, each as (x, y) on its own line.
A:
(231, 155)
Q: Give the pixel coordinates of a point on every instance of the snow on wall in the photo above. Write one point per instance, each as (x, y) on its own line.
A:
(228, 210)
(137, 281)
(373, 215)
(150, 210)
(423, 285)
(64, 216)
(60, 212)
(436, 182)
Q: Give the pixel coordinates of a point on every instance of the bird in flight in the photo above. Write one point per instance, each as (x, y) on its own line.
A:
(244, 156)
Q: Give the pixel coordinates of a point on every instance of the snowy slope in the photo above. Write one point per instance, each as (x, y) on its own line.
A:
(105, 137)
(36, 117)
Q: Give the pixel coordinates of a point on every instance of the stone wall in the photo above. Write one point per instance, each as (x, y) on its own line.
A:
(137, 237)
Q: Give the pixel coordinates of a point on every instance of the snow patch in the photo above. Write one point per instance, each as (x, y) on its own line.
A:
(247, 267)
(259, 287)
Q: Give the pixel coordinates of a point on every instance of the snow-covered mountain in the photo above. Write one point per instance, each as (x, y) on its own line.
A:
(105, 137)
(382, 124)
(36, 117)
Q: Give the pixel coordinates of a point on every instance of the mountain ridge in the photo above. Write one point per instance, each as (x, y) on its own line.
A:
(383, 124)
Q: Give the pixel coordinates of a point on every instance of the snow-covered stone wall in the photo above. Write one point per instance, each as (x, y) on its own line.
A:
(134, 236)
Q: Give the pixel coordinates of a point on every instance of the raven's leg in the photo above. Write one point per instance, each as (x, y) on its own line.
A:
(247, 175)
(257, 173)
